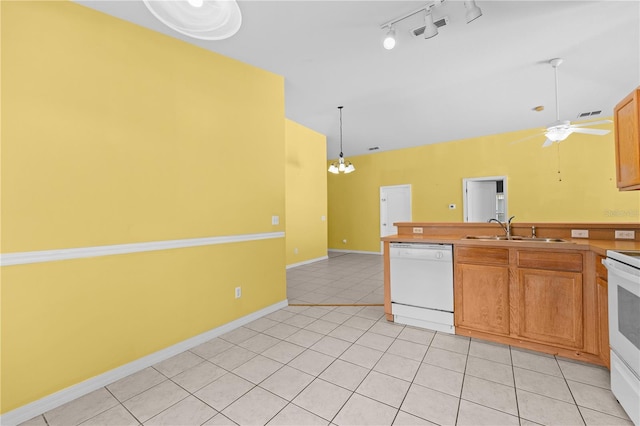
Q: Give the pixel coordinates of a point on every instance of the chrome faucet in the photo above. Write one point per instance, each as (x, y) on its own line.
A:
(506, 226)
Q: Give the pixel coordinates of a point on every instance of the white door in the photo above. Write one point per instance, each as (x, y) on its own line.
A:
(481, 201)
(395, 206)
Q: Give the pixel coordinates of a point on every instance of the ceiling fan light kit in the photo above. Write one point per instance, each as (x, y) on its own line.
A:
(430, 28)
(562, 129)
(341, 166)
(201, 19)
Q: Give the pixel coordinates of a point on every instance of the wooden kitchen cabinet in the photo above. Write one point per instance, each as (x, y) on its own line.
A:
(550, 297)
(602, 287)
(626, 118)
(550, 306)
(522, 296)
(481, 290)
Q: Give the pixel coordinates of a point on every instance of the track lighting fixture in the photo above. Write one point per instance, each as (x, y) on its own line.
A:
(389, 41)
(341, 166)
(473, 11)
(430, 28)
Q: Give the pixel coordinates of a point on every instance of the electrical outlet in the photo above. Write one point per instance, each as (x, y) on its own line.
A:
(625, 235)
(579, 233)
(238, 292)
(275, 220)
(295, 250)
(418, 230)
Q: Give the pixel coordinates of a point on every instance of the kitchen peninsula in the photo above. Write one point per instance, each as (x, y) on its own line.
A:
(547, 293)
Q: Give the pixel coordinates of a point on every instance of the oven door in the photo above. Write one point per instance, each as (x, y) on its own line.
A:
(624, 312)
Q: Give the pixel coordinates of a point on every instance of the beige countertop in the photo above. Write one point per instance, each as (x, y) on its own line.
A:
(597, 246)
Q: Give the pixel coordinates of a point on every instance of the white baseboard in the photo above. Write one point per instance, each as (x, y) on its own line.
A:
(36, 408)
(356, 251)
(306, 262)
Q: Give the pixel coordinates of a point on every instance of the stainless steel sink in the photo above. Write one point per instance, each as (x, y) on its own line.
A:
(485, 237)
(514, 238)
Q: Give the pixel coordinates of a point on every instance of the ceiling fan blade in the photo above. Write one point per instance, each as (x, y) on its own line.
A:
(591, 123)
(590, 131)
(527, 138)
(547, 143)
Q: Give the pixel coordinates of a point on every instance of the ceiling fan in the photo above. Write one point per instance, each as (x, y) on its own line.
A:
(561, 129)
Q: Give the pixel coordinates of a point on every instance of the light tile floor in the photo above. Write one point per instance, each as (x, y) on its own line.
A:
(346, 365)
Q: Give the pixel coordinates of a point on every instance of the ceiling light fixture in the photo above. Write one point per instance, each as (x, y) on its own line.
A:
(431, 26)
(430, 29)
(389, 41)
(196, 3)
(473, 11)
(201, 19)
(341, 166)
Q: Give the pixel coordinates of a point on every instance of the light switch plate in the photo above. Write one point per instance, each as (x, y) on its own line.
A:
(275, 220)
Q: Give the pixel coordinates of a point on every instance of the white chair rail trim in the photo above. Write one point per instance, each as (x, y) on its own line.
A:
(23, 258)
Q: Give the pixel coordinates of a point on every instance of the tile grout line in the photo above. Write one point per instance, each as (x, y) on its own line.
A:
(515, 387)
(570, 391)
(414, 375)
(464, 376)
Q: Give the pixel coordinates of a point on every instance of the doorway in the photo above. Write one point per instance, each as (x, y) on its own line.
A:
(485, 198)
(395, 206)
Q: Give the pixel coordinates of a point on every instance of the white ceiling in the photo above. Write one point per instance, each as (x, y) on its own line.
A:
(471, 80)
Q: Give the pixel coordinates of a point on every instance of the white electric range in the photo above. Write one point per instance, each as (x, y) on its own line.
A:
(624, 328)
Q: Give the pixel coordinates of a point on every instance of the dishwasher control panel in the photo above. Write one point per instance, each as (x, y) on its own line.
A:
(442, 252)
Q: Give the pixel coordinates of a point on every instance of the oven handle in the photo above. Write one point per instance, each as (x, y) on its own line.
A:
(611, 266)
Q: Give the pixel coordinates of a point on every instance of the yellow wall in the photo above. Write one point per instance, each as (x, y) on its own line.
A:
(306, 201)
(115, 134)
(586, 192)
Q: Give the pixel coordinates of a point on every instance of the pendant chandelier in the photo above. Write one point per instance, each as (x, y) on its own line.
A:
(341, 166)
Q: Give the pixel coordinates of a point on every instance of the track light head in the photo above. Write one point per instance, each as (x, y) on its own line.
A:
(389, 41)
(473, 11)
(430, 29)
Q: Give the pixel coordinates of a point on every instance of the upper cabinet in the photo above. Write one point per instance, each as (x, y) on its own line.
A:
(627, 130)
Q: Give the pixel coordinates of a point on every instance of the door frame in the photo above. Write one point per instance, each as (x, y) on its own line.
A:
(465, 196)
(385, 187)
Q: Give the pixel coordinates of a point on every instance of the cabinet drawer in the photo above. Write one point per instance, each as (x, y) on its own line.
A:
(601, 270)
(486, 255)
(554, 260)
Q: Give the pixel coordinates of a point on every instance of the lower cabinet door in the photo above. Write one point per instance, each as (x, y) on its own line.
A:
(550, 308)
(482, 297)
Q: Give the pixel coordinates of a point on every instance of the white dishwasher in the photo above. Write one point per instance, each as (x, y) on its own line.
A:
(421, 277)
